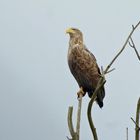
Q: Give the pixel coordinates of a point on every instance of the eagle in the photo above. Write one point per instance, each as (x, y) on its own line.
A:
(83, 65)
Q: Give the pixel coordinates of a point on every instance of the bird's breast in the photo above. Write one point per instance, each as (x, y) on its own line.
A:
(83, 67)
(80, 59)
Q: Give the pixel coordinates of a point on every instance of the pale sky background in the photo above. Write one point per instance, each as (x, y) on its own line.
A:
(36, 86)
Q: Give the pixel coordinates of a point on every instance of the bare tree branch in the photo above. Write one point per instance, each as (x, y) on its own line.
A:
(93, 129)
(132, 44)
(127, 133)
(123, 47)
(110, 70)
(137, 127)
(102, 82)
(137, 121)
(75, 135)
(70, 124)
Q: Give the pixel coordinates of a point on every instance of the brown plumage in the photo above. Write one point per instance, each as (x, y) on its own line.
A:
(83, 66)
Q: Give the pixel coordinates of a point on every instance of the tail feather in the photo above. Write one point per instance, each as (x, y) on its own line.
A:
(100, 97)
(100, 103)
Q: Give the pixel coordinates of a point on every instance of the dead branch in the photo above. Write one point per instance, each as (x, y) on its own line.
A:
(75, 134)
(127, 133)
(70, 124)
(132, 44)
(123, 47)
(110, 70)
(137, 128)
(135, 123)
(90, 120)
(102, 82)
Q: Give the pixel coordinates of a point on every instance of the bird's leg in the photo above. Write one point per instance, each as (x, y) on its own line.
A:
(80, 92)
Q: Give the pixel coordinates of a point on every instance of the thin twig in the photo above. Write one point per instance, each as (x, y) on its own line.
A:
(127, 133)
(134, 47)
(110, 70)
(135, 123)
(125, 44)
(133, 27)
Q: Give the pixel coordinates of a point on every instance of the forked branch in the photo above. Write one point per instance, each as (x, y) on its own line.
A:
(132, 44)
(123, 47)
(137, 127)
(137, 130)
(75, 134)
(102, 82)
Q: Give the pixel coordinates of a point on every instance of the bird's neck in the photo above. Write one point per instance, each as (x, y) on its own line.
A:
(76, 41)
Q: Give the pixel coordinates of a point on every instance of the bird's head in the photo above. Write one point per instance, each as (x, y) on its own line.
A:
(75, 34)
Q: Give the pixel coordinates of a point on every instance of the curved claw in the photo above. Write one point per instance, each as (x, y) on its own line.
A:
(81, 92)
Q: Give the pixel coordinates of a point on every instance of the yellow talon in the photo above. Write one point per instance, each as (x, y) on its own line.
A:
(81, 92)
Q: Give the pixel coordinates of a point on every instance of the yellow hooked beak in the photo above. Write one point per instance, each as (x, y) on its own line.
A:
(70, 31)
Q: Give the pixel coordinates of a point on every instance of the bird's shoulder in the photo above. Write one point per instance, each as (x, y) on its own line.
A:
(80, 52)
(88, 53)
(93, 59)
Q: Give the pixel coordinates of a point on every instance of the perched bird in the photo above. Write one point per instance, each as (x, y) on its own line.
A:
(83, 66)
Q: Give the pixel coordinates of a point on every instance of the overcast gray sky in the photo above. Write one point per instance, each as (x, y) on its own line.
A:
(36, 86)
